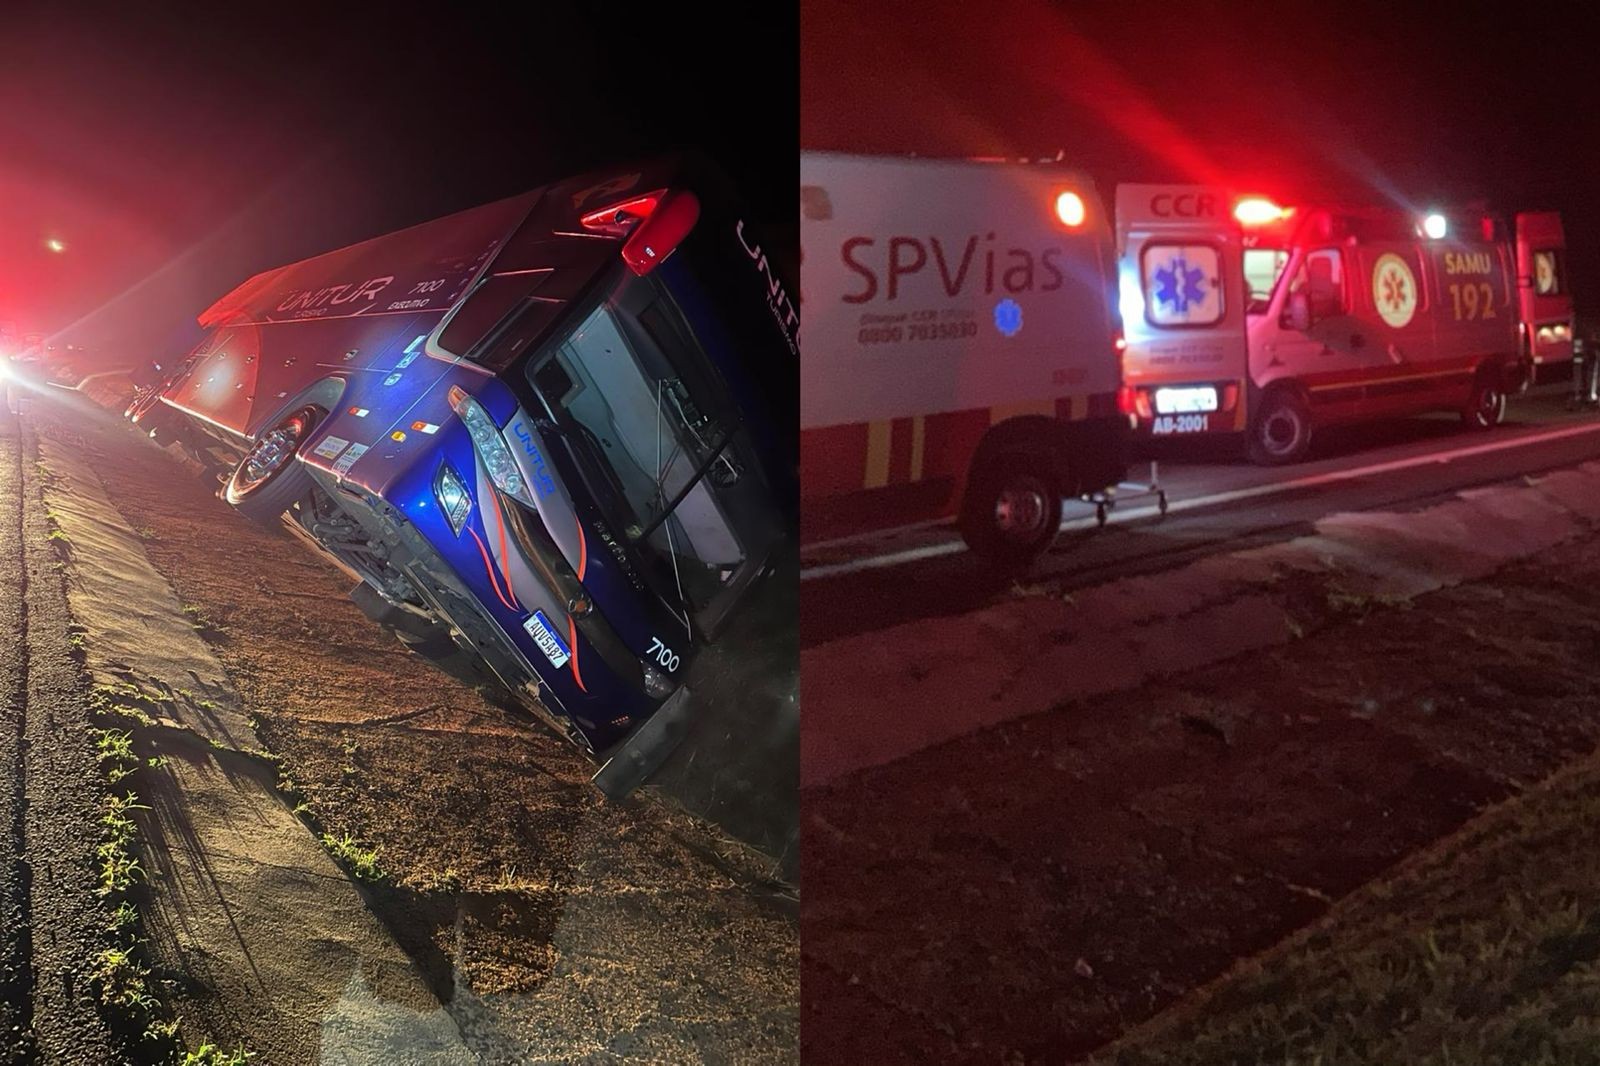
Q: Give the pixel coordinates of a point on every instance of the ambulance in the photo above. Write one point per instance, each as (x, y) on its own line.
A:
(962, 352)
(1243, 315)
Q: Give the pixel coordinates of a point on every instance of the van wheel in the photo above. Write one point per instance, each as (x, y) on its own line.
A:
(1486, 406)
(1281, 430)
(1012, 511)
(268, 480)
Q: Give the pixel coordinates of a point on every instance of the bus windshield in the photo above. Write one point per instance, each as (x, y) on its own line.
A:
(644, 416)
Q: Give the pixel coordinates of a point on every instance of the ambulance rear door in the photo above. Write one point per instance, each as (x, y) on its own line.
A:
(1544, 301)
(1182, 296)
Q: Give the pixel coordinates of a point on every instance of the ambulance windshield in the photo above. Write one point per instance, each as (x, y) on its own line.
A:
(1262, 269)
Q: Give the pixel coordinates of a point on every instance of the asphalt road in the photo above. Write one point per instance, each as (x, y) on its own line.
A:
(52, 925)
(1218, 502)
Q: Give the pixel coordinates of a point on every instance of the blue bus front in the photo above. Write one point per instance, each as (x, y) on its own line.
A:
(598, 479)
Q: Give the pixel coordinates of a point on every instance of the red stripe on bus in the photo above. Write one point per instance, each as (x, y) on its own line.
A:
(489, 568)
(572, 642)
(505, 565)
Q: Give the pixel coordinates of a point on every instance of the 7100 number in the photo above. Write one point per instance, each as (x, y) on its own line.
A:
(665, 656)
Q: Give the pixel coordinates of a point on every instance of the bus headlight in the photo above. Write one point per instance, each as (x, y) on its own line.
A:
(454, 501)
(490, 446)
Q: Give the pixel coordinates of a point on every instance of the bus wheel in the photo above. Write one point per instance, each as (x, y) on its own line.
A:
(268, 480)
(1281, 430)
(1012, 511)
(1486, 406)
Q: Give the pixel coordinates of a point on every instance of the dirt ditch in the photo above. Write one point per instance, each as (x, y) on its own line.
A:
(549, 924)
(1028, 892)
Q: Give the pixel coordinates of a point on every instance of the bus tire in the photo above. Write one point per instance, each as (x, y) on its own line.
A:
(269, 479)
(1012, 511)
(1280, 432)
(1486, 404)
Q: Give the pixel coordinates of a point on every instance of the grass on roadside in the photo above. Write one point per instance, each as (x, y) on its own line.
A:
(361, 861)
(1485, 949)
(128, 991)
(212, 1055)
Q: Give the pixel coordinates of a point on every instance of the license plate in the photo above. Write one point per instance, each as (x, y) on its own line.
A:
(1186, 400)
(1168, 424)
(544, 635)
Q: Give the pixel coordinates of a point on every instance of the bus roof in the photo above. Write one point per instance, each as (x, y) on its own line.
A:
(404, 267)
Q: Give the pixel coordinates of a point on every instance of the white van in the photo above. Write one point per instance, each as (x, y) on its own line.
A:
(962, 348)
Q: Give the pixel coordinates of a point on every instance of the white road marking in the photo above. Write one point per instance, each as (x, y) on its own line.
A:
(956, 547)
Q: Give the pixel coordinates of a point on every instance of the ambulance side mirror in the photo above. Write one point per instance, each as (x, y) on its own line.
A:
(1297, 312)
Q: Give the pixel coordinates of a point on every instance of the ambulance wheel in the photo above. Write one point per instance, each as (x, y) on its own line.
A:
(268, 480)
(1486, 406)
(1281, 431)
(1012, 511)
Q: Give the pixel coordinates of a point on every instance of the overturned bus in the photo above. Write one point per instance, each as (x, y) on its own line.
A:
(553, 433)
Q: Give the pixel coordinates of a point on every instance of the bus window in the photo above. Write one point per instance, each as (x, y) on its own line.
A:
(1182, 284)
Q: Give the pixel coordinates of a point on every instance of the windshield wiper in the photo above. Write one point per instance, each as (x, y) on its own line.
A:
(688, 486)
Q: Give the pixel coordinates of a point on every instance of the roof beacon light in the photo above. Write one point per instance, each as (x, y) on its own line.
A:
(1070, 209)
(1257, 211)
(1435, 226)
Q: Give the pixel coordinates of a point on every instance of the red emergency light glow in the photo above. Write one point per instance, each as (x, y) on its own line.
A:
(1256, 211)
(617, 220)
(1070, 209)
(654, 225)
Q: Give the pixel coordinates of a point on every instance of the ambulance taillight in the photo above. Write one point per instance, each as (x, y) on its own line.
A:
(1070, 209)
(1257, 211)
(1127, 400)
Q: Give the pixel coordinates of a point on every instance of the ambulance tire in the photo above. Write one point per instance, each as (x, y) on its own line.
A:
(263, 494)
(1012, 512)
(1280, 433)
(1486, 406)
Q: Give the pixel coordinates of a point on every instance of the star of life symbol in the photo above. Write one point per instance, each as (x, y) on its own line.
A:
(1008, 317)
(1394, 290)
(1179, 285)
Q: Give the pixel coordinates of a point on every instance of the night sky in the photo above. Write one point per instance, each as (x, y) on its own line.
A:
(177, 150)
(1408, 103)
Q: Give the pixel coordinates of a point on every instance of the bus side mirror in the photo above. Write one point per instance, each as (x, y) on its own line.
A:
(1297, 312)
